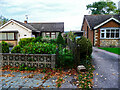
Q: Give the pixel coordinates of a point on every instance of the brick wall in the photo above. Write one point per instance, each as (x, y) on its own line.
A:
(90, 32)
(96, 37)
(109, 24)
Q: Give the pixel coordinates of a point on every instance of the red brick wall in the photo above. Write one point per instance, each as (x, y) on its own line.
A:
(90, 32)
(109, 24)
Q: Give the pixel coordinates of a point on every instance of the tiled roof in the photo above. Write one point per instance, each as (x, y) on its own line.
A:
(56, 26)
(94, 20)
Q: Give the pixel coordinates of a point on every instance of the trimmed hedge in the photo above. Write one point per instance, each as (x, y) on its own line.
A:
(5, 47)
(25, 41)
(39, 48)
(37, 39)
(16, 49)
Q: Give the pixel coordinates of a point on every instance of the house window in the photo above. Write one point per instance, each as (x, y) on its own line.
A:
(7, 36)
(48, 34)
(51, 34)
(107, 33)
(110, 33)
(3, 36)
(117, 33)
(10, 36)
(102, 33)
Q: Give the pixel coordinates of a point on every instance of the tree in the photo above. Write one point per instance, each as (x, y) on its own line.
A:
(60, 40)
(103, 7)
(3, 20)
(71, 35)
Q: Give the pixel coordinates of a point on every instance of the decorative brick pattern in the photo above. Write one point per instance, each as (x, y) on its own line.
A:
(109, 42)
(31, 60)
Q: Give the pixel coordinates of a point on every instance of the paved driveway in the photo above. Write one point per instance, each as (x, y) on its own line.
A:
(106, 65)
(19, 83)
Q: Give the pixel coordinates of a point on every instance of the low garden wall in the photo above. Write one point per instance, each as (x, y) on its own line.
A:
(31, 60)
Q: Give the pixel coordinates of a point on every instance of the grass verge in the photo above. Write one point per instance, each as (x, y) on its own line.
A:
(110, 49)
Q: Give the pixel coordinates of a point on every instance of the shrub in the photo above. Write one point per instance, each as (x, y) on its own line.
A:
(5, 47)
(85, 46)
(16, 49)
(65, 59)
(60, 40)
(84, 50)
(39, 48)
(37, 39)
(53, 41)
(25, 41)
(71, 36)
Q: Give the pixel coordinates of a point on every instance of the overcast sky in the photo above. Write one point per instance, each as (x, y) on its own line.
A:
(70, 12)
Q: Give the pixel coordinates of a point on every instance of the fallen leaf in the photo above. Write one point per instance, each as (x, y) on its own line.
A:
(48, 86)
(113, 73)
(96, 73)
(101, 76)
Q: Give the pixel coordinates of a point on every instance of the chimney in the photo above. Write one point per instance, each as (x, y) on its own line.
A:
(25, 21)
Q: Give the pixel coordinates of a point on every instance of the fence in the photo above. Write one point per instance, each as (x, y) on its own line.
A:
(75, 50)
(31, 60)
(72, 45)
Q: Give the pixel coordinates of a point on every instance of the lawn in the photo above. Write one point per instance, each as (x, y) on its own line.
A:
(113, 50)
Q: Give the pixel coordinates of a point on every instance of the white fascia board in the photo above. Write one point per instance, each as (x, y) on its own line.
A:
(5, 24)
(106, 22)
(15, 23)
(22, 26)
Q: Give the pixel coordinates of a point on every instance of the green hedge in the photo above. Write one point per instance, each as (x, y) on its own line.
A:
(37, 39)
(39, 48)
(4, 47)
(25, 41)
(16, 49)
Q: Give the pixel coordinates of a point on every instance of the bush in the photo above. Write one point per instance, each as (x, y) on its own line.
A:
(5, 47)
(16, 49)
(37, 39)
(64, 59)
(53, 41)
(72, 36)
(60, 40)
(84, 50)
(85, 46)
(25, 41)
(39, 48)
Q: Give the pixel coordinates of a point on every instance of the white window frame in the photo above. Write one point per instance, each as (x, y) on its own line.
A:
(110, 33)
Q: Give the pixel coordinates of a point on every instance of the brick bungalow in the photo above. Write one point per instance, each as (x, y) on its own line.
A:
(102, 30)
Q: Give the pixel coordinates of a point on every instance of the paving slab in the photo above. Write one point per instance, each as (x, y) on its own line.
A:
(25, 83)
(50, 82)
(68, 85)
